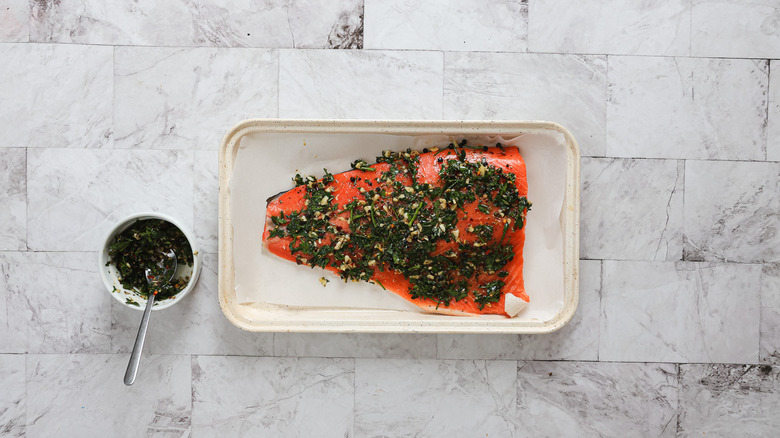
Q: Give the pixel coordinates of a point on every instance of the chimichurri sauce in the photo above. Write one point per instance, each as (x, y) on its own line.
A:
(142, 246)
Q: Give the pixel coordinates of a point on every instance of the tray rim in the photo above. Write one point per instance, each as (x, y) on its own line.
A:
(570, 221)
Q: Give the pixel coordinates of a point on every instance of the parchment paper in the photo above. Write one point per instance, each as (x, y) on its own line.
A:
(265, 164)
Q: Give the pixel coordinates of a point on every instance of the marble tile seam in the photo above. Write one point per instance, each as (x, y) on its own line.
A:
(398, 359)
(397, 50)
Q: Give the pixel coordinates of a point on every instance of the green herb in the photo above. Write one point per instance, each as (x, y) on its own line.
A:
(489, 293)
(484, 232)
(142, 246)
(362, 165)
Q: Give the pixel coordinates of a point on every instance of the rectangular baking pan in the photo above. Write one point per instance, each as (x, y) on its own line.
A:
(259, 317)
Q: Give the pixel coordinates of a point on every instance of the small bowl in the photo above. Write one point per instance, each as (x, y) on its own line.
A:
(109, 273)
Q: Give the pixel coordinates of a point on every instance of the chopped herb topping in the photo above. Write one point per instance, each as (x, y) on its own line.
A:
(142, 246)
(362, 165)
(400, 223)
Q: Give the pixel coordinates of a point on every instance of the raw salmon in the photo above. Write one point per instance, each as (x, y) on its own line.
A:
(443, 229)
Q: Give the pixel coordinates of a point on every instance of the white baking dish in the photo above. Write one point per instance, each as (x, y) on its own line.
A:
(285, 146)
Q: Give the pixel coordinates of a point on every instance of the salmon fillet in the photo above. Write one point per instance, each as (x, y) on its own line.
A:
(444, 229)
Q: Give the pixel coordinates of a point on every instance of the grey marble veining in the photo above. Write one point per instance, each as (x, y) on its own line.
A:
(577, 340)
(194, 326)
(233, 23)
(773, 113)
(530, 87)
(72, 208)
(692, 108)
(364, 345)
(446, 25)
(13, 198)
(728, 400)
(611, 27)
(251, 396)
(206, 201)
(597, 399)
(769, 344)
(739, 29)
(680, 312)
(732, 211)
(162, 94)
(55, 303)
(279, 23)
(461, 398)
(55, 95)
(83, 395)
(13, 396)
(14, 16)
(12, 336)
(359, 84)
(631, 209)
(98, 22)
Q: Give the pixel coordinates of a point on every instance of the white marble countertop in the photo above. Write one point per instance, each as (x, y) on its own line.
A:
(106, 106)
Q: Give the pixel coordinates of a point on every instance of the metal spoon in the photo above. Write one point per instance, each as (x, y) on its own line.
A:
(167, 268)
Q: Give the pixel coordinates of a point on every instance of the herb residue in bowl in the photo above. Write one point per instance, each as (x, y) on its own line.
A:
(142, 246)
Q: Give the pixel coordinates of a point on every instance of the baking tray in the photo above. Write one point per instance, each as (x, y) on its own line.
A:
(260, 317)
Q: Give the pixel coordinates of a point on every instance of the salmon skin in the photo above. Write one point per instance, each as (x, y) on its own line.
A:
(442, 228)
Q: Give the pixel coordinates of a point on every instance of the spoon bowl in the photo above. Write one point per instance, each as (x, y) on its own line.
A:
(164, 270)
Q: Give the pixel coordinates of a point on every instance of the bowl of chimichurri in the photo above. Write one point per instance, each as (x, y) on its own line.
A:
(137, 242)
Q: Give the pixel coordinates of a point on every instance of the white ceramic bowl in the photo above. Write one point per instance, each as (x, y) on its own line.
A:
(109, 272)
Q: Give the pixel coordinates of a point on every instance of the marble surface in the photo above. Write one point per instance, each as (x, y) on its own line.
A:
(78, 396)
(680, 312)
(715, 398)
(206, 199)
(464, 398)
(739, 29)
(360, 84)
(232, 23)
(613, 27)
(111, 108)
(769, 344)
(692, 108)
(13, 196)
(773, 114)
(252, 396)
(13, 397)
(14, 15)
(638, 198)
(598, 399)
(725, 221)
(55, 303)
(73, 207)
(453, 25)
(479, 86)
(56, 95)
(161, 94)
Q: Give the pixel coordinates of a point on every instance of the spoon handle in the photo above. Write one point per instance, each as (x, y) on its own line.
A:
(135, 357)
